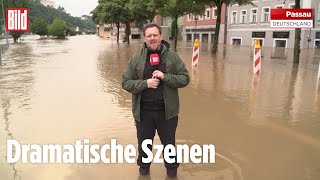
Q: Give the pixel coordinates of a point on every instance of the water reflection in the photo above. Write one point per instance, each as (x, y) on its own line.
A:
(5, 105)
(16, 85)
(110, 63)
(278, 102)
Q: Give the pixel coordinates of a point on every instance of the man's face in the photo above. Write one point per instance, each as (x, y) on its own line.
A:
(152, 38)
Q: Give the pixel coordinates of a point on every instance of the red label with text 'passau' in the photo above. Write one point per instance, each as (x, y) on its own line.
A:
(291, 18)
(291, 14)
(17, 19)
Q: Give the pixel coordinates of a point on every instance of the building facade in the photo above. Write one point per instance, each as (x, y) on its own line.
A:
(203, 26)
(247, 23)
(110, 31)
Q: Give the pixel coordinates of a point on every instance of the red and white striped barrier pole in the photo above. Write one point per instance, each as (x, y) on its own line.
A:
(256, 64)
(195, 54)
(257, 58)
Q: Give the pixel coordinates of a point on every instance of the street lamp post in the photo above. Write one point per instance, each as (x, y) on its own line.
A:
(195, 27)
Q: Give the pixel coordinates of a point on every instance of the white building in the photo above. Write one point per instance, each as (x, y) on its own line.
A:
(84, 18)
(48, 3)
(247, 23)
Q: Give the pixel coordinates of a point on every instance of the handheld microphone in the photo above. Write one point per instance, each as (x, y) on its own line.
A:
(154, 59)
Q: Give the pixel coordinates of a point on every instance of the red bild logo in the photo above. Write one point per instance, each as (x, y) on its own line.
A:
(17, 19)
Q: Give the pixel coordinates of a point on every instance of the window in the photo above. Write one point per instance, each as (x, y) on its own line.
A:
(319, 13)
(317, 44)
(265, 14)
(292, 6)
(243, 18)
(236, 41)
(280, 43)
(194, 17)
(279, 6)
(214, 13)
(253, 15)
(234, 17)
(201, 17)
(190, 17)
(208, 13)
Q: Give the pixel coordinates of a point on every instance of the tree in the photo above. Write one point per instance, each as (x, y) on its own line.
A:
(109, 11)
(144, 10)
(127, 32)
(178, 8)
(218, 4)
(40, 27)
(114, 11)
(70, 30)
(58, 28)
(16, 36)
(126, 18)
(297, 39)
(97, 13)
(173, 28)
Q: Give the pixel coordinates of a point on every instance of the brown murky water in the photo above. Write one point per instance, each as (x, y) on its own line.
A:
(55, 92)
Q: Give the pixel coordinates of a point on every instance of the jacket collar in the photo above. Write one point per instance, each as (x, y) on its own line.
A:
(165, 46)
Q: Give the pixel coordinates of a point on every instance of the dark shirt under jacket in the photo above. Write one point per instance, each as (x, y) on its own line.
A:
(152, 99)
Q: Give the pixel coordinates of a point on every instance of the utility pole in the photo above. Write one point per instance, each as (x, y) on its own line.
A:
(3, 47)
(195, 27)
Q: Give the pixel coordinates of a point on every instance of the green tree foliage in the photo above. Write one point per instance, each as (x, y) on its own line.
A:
(179, 8)
(127, 18)
(111, 11)
(173, 28)
(58, 28)
(125, 12)
(16, 35)
(14, 4)
(144, 10)
(36, 10)
(70, 31)
(97, 13)
(127, 32)
(40, 27)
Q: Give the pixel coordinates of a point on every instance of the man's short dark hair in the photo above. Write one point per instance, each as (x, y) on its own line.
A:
(151, 25)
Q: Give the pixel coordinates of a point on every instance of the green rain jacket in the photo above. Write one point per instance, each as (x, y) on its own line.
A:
(176, 76)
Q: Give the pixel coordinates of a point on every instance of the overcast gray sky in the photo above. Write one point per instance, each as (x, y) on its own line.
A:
(77, 7)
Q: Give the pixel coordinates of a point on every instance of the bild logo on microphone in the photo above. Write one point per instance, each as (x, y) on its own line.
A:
(17, 19)
(154, 59)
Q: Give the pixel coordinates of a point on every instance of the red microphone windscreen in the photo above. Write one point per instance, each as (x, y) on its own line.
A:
(154, 59)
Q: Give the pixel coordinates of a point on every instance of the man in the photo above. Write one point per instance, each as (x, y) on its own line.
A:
(153, 76)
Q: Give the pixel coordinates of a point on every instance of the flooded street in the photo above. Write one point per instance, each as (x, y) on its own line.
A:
(56, 92)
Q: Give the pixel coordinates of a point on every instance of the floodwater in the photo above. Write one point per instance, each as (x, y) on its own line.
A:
(57, 92)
